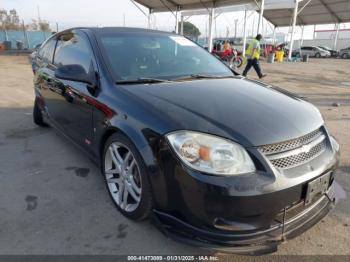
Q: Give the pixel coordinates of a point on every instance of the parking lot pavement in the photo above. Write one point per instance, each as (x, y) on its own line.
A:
(53, 200)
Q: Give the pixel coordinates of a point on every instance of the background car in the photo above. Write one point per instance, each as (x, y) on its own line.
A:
(334, 53)
(345, 53)
(312, 51)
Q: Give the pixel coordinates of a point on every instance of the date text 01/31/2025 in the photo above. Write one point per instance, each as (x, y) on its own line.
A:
(173, 258)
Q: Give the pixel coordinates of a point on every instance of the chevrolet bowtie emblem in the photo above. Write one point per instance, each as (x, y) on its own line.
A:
(305, 149)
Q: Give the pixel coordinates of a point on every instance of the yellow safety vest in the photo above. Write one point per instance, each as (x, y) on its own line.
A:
(249, 51)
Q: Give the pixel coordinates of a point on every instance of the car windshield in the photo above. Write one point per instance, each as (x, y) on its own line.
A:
(134, 56)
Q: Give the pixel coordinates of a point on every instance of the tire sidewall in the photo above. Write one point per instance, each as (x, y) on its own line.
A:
(37, 114)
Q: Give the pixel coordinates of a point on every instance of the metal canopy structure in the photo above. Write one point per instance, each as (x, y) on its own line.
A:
(315, 12)
(209, 7)
(281, 13)
(166, 5)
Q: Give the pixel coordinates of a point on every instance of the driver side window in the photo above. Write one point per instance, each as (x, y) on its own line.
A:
(47, 50)
(73, 48)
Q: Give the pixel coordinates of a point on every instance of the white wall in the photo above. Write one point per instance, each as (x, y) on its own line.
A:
(342, 43)
(330, 34)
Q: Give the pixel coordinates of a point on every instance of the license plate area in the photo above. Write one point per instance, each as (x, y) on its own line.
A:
(317, 188)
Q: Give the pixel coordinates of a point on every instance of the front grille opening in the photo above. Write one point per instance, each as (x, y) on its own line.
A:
(295, 160)
(291, 144)
(292, 153)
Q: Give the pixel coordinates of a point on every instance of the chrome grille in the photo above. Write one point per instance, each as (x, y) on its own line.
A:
(299, 159)
(297, 151)
(291, 144)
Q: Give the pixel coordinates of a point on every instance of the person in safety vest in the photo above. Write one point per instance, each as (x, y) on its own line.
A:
(253, 55)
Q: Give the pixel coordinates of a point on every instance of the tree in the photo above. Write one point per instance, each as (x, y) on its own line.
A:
(32, 26)
(190, 30)
(44, 26)
(11, 21)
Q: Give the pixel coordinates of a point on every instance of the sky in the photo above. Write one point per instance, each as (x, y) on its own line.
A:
(70, 13)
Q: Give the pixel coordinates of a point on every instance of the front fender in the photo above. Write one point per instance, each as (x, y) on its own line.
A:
(148, 143)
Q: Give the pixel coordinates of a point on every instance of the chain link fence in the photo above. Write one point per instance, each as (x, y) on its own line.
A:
(22, 40)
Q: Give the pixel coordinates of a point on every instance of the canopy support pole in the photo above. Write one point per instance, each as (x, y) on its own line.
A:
(244, 33)
(302, 36)
(177, 31)
(253, 23)
(314, 35)
(295, 14)
(274, 36)
(182, 25)
(336, 37)
(149, 18)
(211, 23)
(261, 15)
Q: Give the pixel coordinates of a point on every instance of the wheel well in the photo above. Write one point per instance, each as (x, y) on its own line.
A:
(104, 138)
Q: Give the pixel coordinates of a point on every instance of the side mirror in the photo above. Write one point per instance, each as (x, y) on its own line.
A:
(75, 72)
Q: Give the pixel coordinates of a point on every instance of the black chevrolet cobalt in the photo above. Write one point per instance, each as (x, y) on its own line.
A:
(217, 160)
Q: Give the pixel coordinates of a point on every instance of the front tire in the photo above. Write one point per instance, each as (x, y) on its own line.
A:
(238, 61)
(318, 55)
(126, 177)
(37, 114)
(345, 56)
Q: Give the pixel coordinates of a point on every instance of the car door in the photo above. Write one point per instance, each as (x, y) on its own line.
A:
(305, 50)
(312, 51)
(315, 51)
(44, 72)
(75, 114)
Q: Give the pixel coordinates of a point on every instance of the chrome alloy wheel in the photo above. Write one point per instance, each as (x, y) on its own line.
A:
(123, 176)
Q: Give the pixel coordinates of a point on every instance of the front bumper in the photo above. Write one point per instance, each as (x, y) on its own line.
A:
(243, 214)
(255, 242)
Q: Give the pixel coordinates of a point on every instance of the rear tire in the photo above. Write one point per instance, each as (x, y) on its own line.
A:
(126, 177)
(317, 55)
(345, 56)
(37, 114)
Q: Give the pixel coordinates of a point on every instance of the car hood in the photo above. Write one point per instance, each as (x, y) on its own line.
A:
(242, 110)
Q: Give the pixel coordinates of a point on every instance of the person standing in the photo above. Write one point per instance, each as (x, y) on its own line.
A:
(227, 46)
(253, 55)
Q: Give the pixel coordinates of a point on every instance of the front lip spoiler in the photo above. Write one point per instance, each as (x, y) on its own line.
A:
(258, 242)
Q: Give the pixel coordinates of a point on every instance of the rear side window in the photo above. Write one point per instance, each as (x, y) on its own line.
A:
(47, 50)
(73, 48)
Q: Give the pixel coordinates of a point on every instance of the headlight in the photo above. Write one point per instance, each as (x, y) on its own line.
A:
(210, 154)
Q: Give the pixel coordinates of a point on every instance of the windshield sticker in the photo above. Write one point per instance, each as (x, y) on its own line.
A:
(182, 41)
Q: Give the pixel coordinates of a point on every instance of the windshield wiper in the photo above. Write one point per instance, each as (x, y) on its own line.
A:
(141, 81)
(204, 76)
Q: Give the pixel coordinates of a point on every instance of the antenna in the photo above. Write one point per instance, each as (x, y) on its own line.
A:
(39, 19)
